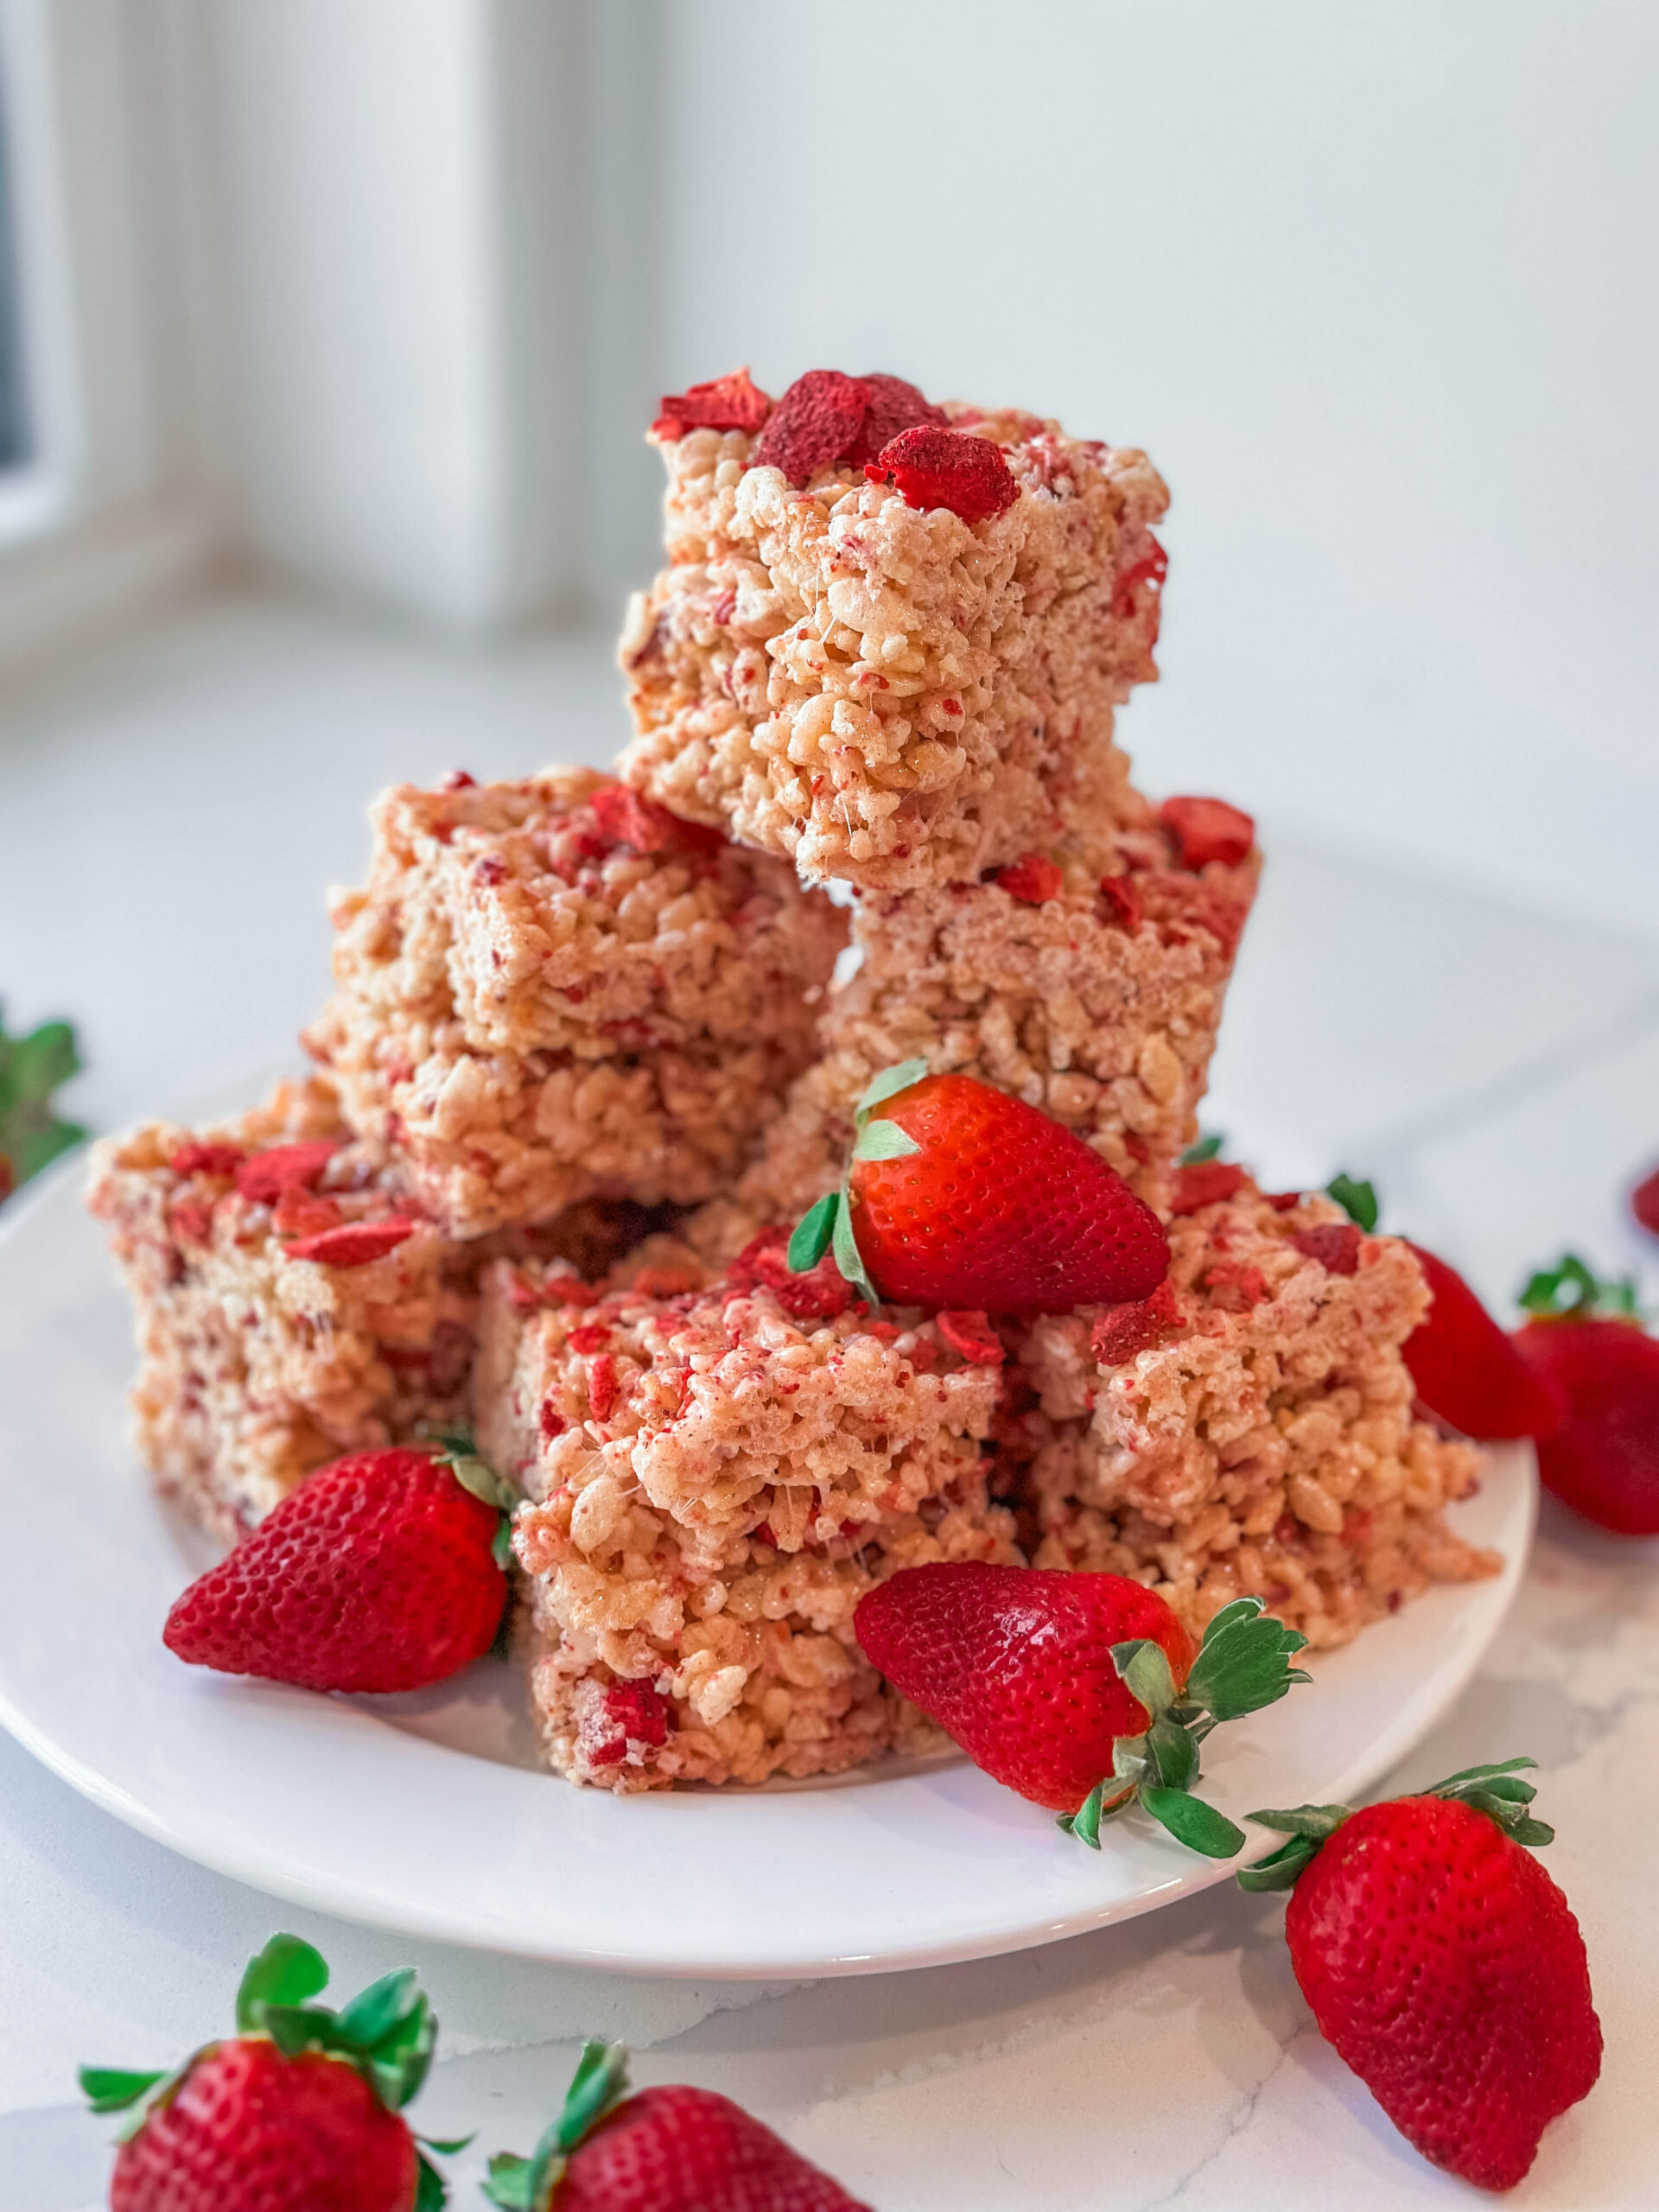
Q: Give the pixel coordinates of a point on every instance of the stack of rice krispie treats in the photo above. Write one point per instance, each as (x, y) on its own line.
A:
(596, 1043)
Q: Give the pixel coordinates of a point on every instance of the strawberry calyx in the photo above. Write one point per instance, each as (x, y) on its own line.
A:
(1207, 1148)
(1498, 1791)
(828, 1226)
(1358, 1200)
(386, 2033)
(31, 1068)
(455, 1449)
(1242, 1664)
(599, 2084)
(1569, 1292)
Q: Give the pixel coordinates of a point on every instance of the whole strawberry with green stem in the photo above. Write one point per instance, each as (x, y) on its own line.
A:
(300, 2111)
(668, 2149)
(959, 1196)
(1082, 1692)
(1586, 1342)
(31, 1068)
(384, 1571)
(1468, 1371)
(1442, 1963)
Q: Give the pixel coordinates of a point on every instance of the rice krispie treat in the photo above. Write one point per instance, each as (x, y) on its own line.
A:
(885, 680)
(1092, 992)
(551, 990)
(718, 1468)
(1248, 1430)
(292, 1303)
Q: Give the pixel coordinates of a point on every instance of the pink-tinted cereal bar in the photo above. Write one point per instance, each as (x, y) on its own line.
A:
(291, 1302)
(1092, 992)
(290, 1307)
(1250, 1429)
(717, 1474)
(552, 989)
(887, 693)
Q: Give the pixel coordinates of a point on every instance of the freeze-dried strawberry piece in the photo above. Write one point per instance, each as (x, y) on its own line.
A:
(946, 468)
(893, 406)
(631, 1711)
(1334, 1244)
(1206, 830)
(1234, 1287)
(191, 1222)
(297, 1213)
(818, 1294)
(1138, 1326)
(1123, 899)
(1032, 878)
(353, 1244)
(604, 1386)
(206, 1160)
(971, 1337)
(1204, 1182)
(625, 818)
(730, 403)
(1151, 569)
(285, 1166)
(813, 424)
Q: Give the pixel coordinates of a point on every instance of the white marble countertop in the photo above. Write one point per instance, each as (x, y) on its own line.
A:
(168, 823)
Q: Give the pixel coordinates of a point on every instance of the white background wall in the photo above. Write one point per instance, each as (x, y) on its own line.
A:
(1376, 285)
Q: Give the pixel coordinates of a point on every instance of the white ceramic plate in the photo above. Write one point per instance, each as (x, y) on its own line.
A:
(423, 1815)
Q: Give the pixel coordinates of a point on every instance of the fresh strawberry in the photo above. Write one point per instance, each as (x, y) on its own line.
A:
(1082, 1692)
(1443, 1963)
(1644, 1201)
(1586, 1343)
(960, 1196)
(384, 1571)
(668, 2150)
(1467, 1371)
(297, 2112)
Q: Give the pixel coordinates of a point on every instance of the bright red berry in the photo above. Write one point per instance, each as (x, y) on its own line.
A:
(1644, 1201)
(298, 2112)
(675, 2148)
(1204, 1183)
(960, 1196)
(1206, 830)
(1603, 1457)
(1444, 1965)
(1033, 877)
(1468, 1371)
(933, 468)
(729, 403)
(1041, 1676)
(378, 1572)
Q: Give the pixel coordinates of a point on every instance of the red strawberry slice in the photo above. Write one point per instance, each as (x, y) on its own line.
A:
(1079, 1691)
(728, 403)
(675, 2149)
(1443, 1964)
(1586, 1344)
(1644, 1201)
(960, 1196)
(379, 1573)
(299, 2111)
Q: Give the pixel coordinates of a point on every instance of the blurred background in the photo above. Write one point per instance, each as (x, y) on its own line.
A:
(329, 329)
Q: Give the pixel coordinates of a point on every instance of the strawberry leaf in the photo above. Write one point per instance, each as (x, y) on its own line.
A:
(286, 1972)
(430, 2195)
(528, 2184)
(1207, 1148)
(509, 2181)
(1358, 1200)
(1143, 1670)
(107, 2088)
(844, 1245)
(888, 1085)
(1244, 1662)
(1569, 1292)
(1193, 1822)
(376, 2012)
(1172, 1754)
(812, 1233)
(1280, 1869)
(884, 1140)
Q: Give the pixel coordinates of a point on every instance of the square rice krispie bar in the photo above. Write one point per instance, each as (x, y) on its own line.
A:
(1092, 989)
(884, 692)
(292, 1303)
(1249, 1429)
(718, 1468)
(551, 990)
